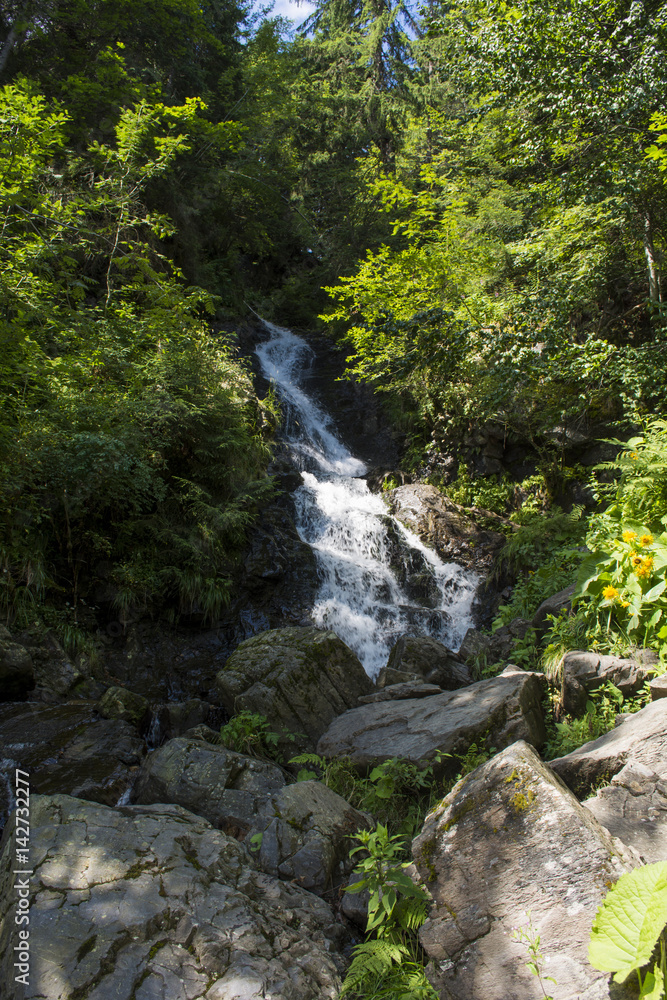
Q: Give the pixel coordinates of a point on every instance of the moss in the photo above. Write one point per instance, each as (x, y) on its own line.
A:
(158, 946)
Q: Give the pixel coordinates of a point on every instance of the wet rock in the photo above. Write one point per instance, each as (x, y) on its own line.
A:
(180, 716)
(634, 809)
(299, 678)
(500, 710)
(67, 748)
(17, 673)
(305, 830)
(55, 674)
(584, 672)
(410, 567)
(445, 526)
(151, 902)
(510, 847)
(398, 692)
(553, 605)
(429, 659)
(640, 739)
(226, 788)
(119, 703)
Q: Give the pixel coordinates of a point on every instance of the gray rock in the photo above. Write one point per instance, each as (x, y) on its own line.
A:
(226, 788)
(119, 703)
(510, 847)
(552, 606)
(184, 715)
(584, 672)
(500, 710)
(55, 674)
(66, 748)
(151, 902)
(475, 646)
(389, 677)
(203, 732)
(398, 692)
(299, 678)
(431, 660)
(445, 526)
(305, 832)
(634, 809)
(658, 687)
(640, 739)
(354, 905)
(17, 672)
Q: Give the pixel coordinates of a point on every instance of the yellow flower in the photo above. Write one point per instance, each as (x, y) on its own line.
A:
(635, 559)
(646, 566)
(646, 540)
(629, 536)
(625, 604)
(633, 454)
(610, 593)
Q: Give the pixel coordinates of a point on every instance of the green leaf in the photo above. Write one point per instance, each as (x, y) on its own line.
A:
(655, 592)
(654, 985)
(630, 921)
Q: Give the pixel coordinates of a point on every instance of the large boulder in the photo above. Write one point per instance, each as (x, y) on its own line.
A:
(584, 672)
(299, 678)
(499, 711)
(553, 605)
(55, 674)
(445, 526)
(428, 659)
(634, 809)
(227, 788)
(305, 830)
(141, 903)
(17, 672)
(66, 748)
(640, 739)
(511, 847)
(119, 703)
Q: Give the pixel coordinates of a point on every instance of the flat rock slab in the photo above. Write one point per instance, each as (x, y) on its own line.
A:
(640, 739)
(502, 710)
(141, 903)
(634, 809)
(511, 840)
(68, 748)
(305, 832)
(584, 672)
(299, 678)
(226, 788)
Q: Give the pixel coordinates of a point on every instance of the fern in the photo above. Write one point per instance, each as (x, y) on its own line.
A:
(373, 959)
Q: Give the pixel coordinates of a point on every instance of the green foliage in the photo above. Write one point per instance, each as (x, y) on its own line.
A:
(249, 733)
(604, 704)
(529, 937)
(629, 924)
(396, 909)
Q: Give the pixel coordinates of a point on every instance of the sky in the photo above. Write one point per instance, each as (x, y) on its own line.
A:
(297, 13)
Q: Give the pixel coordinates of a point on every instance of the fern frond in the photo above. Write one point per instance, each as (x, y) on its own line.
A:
(411, 913)
(372, 959)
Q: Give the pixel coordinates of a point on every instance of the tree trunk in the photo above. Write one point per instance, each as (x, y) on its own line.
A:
(12, 37)
(654, 279)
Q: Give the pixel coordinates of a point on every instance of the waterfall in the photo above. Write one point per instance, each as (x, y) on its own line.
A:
(378, 580)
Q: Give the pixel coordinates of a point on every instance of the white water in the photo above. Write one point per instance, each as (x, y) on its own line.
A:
(353, 536)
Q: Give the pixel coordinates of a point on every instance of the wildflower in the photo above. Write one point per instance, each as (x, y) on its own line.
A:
(646, 566)
(625, 604)
(610, 593)
(633, 454)
(629, 536)
(646, 540)
(635, 559)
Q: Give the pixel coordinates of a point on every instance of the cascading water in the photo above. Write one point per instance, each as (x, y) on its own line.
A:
(378, 581)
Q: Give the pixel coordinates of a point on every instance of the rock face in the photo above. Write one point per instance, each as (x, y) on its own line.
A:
(444, 526)
(17, 673)
(501, 710)
(552, 606)
(640, 739)
(119, 703)
(634, 809)
(428, 659)
(299, 678)
(305, 829)
(509, 839)
(226, 788)
(151, 902)
(66, 748)
(584, 672)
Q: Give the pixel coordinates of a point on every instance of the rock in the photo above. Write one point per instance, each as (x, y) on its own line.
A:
(202, 732)
(445, 526)
(305, 830)
(388, 677)
(510, 846)
(640, 739)
(552, 606)
(55, 674)
(17, 672)
(226, 788)
(66, 748)
(148, 902)
(119, 703)
(299, 678)
(500, 710)
(475, 646)
(634, 809)
(410, 567)
(398, 692)
(354, 905)
(658, 687)
(583, 672)
(430, 659)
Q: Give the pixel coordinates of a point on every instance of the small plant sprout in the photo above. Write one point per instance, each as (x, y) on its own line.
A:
(528, 936)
